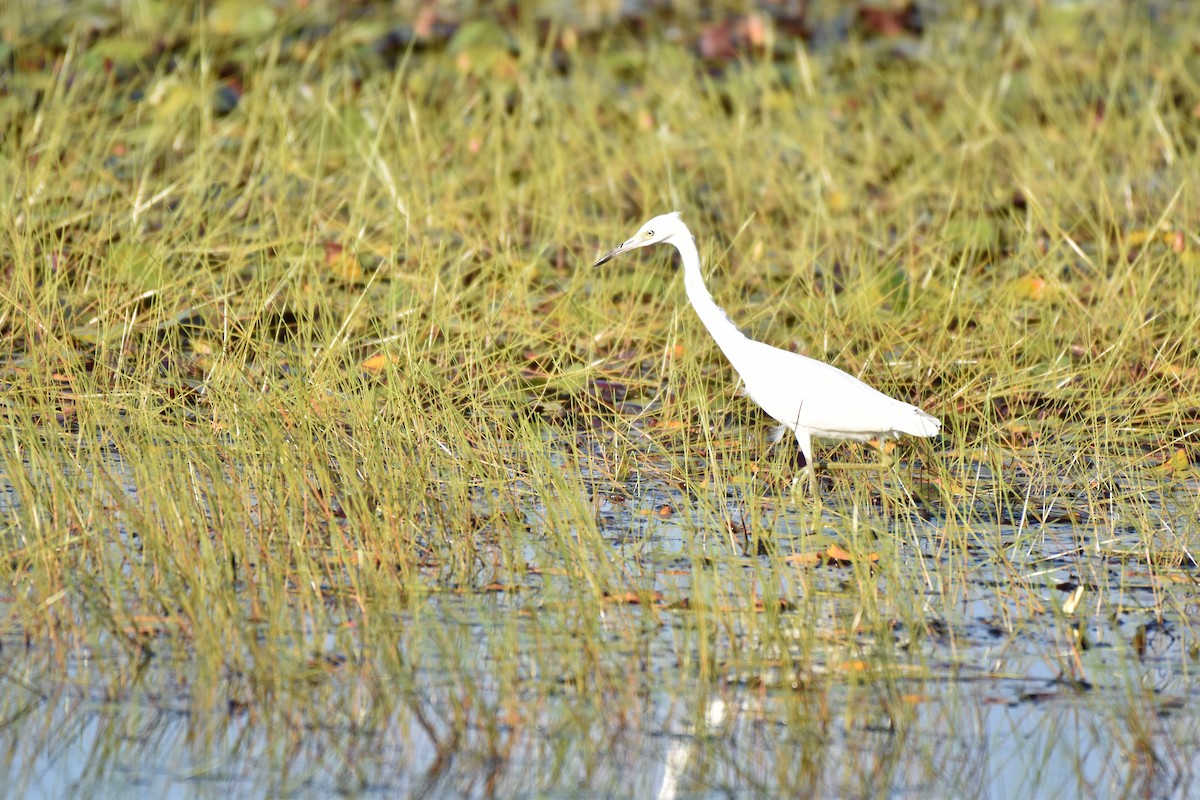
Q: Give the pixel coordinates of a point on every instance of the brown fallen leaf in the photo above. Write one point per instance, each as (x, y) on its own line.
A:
(951, 486)
(377, 362)
(1178, 372)
(342, 262)
(842, 556)
(633, 598)
(662, 512)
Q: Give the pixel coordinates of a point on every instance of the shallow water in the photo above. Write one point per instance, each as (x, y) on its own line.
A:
(997, 704)
(1029, 735)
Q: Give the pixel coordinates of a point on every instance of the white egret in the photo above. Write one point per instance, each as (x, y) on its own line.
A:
(806, 396)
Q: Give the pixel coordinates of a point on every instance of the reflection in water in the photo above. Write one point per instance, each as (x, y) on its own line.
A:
(682, 749)
(1019, 738)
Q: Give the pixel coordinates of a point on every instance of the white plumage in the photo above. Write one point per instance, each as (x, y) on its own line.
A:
(806, 396)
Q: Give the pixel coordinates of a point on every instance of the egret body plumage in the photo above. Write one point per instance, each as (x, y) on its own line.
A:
(806, 396)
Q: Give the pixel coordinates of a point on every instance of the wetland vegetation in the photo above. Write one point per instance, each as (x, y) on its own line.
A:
(331, 465)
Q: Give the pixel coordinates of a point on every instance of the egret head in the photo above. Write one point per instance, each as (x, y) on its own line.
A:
(660, 229)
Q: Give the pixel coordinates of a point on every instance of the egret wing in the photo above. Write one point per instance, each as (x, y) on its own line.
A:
(800, 391)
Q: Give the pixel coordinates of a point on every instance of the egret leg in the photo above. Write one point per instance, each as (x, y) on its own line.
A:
(810, 466)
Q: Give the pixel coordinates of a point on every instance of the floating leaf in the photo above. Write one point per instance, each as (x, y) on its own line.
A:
(377, 362)
(662, 512)
(839, 554)
(634, 598)
(810, 559)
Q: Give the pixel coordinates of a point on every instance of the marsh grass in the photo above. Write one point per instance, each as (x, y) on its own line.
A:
(320, 427)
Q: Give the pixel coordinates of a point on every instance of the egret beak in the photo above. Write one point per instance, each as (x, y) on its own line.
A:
(611, 254)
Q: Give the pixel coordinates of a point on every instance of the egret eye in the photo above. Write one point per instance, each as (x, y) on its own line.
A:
(649, 234)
